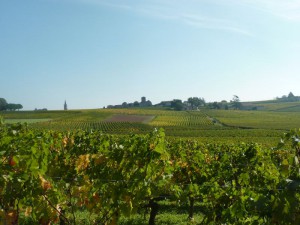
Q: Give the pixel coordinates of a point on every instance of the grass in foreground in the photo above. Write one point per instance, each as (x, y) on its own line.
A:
(169, 214)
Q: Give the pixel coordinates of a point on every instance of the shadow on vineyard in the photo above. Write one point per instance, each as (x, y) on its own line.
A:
(87, 177)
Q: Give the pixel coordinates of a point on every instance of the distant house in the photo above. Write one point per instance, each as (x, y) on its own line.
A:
(187, 105)
(143, 99)
(43, 109)
(145, 103)
(115, 106)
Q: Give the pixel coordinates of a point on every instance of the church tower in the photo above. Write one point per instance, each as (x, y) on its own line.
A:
(65, 105)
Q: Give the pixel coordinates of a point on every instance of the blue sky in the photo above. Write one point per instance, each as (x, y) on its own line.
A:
(98, 52)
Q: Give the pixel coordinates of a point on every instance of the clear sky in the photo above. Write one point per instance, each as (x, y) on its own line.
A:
(98, 52)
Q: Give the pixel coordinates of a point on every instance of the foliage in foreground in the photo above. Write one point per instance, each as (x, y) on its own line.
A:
(46, 177)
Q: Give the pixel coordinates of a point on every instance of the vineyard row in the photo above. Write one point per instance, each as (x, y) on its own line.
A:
(47, 176)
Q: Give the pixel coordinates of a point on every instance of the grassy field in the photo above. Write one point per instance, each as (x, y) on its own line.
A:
(221, 126)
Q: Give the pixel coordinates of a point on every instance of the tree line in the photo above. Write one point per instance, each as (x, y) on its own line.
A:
(4, 106)
(195, 102)
(288, 98)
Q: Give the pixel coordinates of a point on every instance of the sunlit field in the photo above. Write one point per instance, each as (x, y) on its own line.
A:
(221, 126)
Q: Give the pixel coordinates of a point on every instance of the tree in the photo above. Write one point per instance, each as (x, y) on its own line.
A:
(11, 106)
(192, 101)
(235, 102)
(3, 104)
(216, 105)
(19, 106)
(224, 104)
(148, 103)
(177, 104)
(292, 98)
(291, 95)
(196, 102)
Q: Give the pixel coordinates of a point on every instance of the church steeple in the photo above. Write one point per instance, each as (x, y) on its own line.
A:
(65, 105)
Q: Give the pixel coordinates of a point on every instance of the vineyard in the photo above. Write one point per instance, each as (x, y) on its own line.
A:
(117, 166)
(279, 106)
(107, 127)
(257, 119)
(219, 126)
(50, 177)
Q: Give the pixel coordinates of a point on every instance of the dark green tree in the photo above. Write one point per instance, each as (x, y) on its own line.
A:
(10, 107)
(236, 103)
(136, 104)
(19, 106)
(177, 104)
(291, 95)
(292, 98)
(216, 105)
(13, 107)
(3, 104)
(196, 102)
(224, 104)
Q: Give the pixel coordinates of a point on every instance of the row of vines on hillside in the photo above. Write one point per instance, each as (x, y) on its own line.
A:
(47, 176)
(107, 127)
